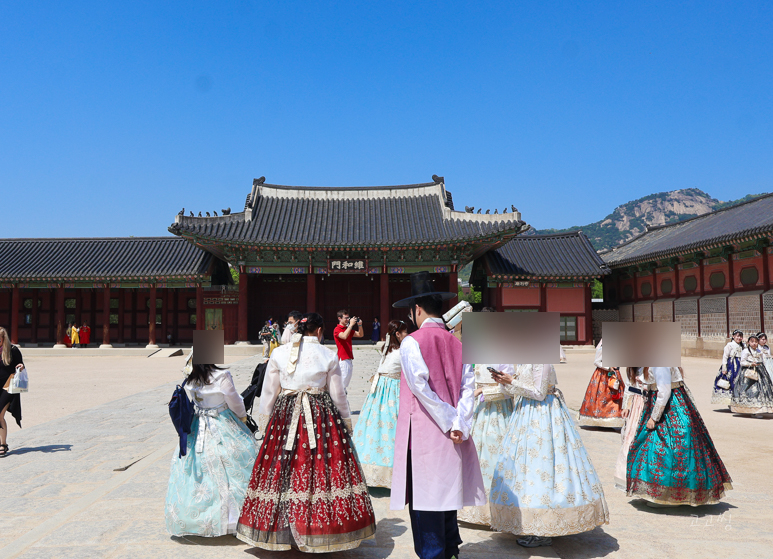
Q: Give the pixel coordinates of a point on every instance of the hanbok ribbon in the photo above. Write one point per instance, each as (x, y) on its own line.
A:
(295, 340)
(205, 414)
(302, 401)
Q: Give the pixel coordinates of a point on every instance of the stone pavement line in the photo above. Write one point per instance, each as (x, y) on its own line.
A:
(24, 542)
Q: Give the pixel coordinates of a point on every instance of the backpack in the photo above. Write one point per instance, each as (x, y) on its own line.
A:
(255, 388)
(181, 412)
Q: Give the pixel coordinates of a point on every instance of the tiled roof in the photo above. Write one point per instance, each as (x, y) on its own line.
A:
(330, 217)
(747, 220)
(134, 257)
(563, 255)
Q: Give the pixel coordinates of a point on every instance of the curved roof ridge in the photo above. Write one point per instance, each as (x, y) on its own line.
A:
(349, 188)
(50, 239)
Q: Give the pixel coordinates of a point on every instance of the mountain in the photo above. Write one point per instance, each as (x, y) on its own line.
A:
(631, 218)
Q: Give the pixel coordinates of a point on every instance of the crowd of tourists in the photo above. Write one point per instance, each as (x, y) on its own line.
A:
(487, 444)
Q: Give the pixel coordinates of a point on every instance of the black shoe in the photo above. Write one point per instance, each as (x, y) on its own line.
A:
(534, 541)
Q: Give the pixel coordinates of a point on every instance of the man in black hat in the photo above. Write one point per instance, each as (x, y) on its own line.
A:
(436, 470)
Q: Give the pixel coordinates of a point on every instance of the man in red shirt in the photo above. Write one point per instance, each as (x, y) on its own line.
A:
(343, 335)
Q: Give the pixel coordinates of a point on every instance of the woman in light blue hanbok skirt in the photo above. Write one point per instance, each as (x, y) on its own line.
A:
(489, 425)
(207, 485)
(544, 483)
(374, 433)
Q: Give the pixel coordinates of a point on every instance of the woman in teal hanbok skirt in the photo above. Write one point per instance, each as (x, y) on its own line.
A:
(672, 459)
(374, 433)
(207, 485)
(489, 425)
(544, 483)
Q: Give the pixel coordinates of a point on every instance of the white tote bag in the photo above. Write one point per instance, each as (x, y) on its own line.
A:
(20, 382)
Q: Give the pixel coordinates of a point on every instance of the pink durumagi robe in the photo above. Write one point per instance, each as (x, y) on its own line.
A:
(446, 476)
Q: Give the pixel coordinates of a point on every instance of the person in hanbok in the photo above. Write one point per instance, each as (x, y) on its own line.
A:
(753, 389)
(436, 470)
(633, 407)
(207, 484)
(763, 343)
(493, 407)
(728, 371)
(602, 405)
(307, 489)
(374, 433)
(672, 459)
(544, 482)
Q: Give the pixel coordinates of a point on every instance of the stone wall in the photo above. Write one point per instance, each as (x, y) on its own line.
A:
(599, 317)
(713, 318)
(662, 311)
(642, 312)
(686, 312)
(745, 312)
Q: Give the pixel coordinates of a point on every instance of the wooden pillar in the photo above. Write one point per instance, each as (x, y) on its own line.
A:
(175, 318)
(152, 317)
(106, 316)
(543, 297)
(453, 287)
(200, 307)
(500, 298)
(385, 304)
(588, 314)
(60, 327)
(243, 335)
(78, 306)
(635, 292)
(93, 311)
(311, 293)
(133, 299)
(15, 314)
(164, 315)
(121, 315)
(35, 316)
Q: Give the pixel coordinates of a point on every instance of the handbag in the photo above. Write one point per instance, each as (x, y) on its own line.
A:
(181, 412)
(723, 383)
(20, 382)
(751, 374)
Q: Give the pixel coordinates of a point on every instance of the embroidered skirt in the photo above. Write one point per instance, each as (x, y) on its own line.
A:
(752, 396)
(723, 396)
(627, 433)
(313, 499)
(374, 433)
(675, 463)
(602, 406)
(207, 485)
(544, 483)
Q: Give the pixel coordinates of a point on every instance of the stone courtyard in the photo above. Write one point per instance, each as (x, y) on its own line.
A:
(87, 475)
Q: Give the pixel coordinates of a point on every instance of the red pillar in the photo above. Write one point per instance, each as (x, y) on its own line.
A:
(311, 293)
(152, 317)
(35, 316)
(500, 298)
(106, 316)
(200, 307)
(15, 315)
(121, 314)
(385, 306)
(244, 298)
(60, 327)
(588, 314)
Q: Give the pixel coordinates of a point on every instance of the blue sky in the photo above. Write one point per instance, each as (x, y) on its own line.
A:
(114, 115)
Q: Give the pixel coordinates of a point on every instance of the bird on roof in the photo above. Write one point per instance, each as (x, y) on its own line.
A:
(192, 214)
(226, 211)
(199, 214)
(469, 209)
(214, 212)
(496, 211)
(182, 212)
(479, 209)
(208, 214)
(488, 212)
(504, 211)
(513, 208)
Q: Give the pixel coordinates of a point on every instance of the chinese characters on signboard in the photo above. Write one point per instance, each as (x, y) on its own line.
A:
(347, 266)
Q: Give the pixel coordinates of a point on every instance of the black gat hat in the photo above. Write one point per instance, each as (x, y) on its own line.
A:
(421, 286)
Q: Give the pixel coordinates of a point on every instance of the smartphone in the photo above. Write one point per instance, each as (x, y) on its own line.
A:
(492, 370)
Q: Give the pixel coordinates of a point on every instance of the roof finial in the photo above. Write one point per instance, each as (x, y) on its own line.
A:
(260, 181)
(438, 179)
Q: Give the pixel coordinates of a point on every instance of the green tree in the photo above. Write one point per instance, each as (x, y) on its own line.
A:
(597, 289)
(235, 275)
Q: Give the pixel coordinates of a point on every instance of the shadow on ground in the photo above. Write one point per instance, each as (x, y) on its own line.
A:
(587, 545)
(222, 541)
(702, 511)
(47, 449)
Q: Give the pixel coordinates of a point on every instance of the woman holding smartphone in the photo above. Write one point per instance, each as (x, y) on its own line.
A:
(10, 363)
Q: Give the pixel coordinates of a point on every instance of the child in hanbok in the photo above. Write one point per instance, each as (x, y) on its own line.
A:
(307, 488)
(728, 372)
(602, 404)
(633, 406)
(752, 390)
(207, 485)
(374, 434)
(493, 407)
(672, 459)
(544, 483)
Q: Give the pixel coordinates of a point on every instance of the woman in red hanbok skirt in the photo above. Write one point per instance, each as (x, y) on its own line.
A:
(307, 488)
(603, 402)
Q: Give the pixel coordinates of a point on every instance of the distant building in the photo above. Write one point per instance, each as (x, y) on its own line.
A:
(710, 273)
(543, 273)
